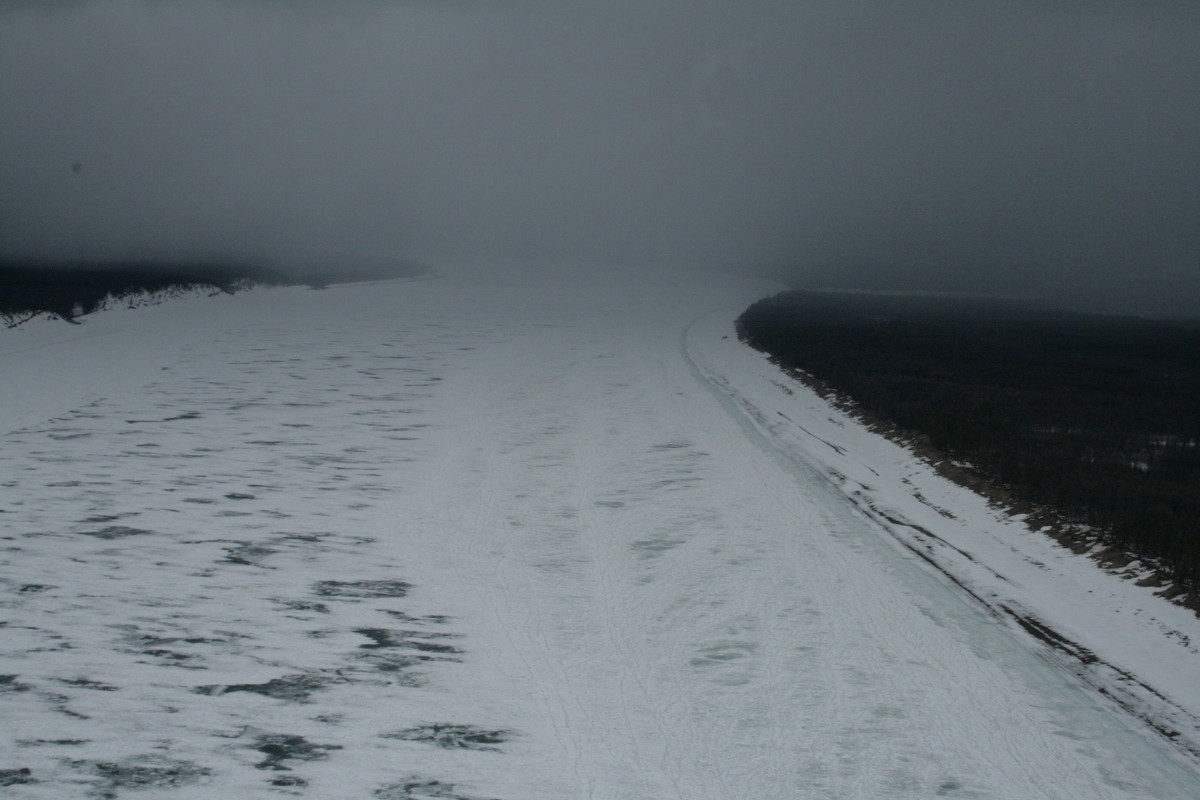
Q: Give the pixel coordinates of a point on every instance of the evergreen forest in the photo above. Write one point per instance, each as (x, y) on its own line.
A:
(1094, 419)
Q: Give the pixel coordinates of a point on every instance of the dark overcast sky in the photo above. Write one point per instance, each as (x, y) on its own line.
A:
(1043, 148)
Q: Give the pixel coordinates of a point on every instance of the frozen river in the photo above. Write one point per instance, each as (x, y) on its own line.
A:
(539, 537)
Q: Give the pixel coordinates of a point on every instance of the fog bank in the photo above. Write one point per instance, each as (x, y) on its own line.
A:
(1004, 147)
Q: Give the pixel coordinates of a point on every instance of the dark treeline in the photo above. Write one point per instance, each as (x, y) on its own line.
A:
(71, 288)
(1094, 417)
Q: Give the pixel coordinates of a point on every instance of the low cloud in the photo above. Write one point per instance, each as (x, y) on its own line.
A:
(1011, 148)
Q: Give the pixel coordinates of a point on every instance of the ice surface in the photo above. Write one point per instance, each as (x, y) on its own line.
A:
(542, 536)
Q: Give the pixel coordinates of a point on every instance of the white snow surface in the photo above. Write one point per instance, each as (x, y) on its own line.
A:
(552, 535)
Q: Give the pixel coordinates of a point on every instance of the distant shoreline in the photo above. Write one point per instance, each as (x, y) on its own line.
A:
(71, 288)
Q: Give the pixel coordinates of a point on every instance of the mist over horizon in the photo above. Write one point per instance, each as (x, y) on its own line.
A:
(1020, 149)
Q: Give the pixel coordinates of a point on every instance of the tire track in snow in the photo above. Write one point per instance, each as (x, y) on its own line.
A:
(1078, 662)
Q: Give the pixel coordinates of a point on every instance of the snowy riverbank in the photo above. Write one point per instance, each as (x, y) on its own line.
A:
(1122, 639)
(539, 535)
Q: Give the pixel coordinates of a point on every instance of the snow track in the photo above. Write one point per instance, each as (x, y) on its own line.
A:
(465, 539)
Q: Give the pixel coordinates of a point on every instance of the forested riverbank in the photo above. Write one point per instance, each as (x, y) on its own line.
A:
(1089, 423)
(69, 288)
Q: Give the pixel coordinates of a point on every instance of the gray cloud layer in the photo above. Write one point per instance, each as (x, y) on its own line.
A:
(1011, 147)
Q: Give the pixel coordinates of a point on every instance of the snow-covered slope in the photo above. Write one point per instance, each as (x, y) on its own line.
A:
(549, 536)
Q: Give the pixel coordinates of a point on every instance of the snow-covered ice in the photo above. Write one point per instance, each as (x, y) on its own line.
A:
(529, 534)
